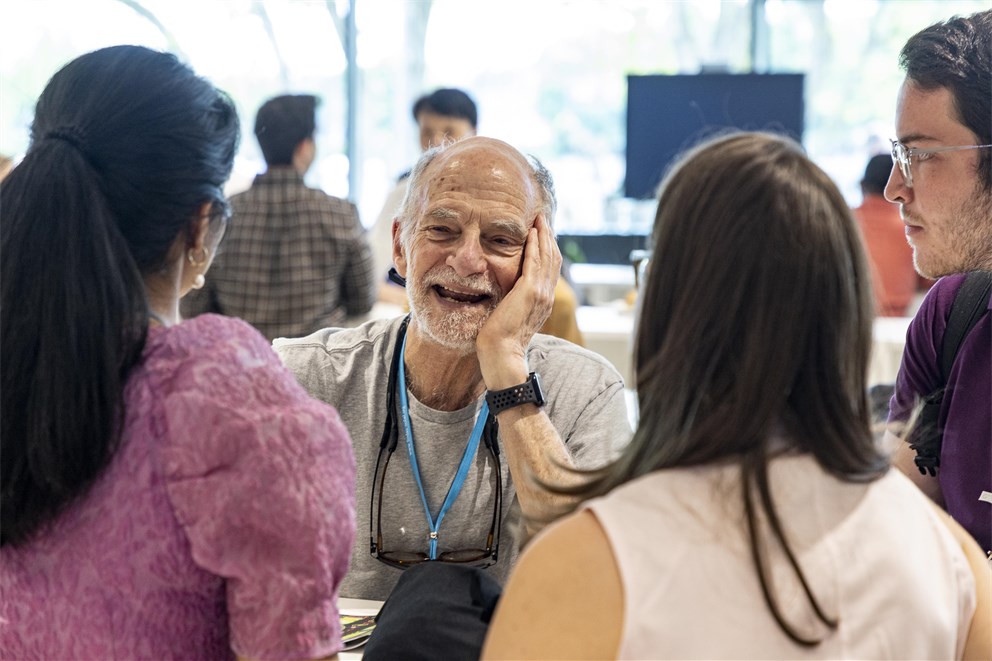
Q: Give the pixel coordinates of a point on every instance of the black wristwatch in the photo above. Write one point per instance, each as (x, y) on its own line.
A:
(528, 392)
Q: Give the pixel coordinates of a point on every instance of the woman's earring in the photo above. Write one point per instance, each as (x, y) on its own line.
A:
(197, 262)
(199, 280)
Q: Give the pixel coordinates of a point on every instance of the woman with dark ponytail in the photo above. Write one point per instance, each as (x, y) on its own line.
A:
(168, 490)
(752, 515)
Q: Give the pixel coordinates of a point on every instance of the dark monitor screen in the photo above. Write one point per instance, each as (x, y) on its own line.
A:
(668, 114)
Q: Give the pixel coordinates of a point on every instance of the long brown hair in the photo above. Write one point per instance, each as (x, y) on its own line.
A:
(756, 317)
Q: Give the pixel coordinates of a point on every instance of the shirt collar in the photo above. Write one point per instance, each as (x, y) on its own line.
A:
(278, 175)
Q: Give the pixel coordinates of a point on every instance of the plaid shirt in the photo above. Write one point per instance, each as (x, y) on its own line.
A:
(293, 260)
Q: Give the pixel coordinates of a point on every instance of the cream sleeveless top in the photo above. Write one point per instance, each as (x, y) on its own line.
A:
(875, 555)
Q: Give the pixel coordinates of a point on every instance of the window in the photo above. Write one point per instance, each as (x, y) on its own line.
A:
(549, 77)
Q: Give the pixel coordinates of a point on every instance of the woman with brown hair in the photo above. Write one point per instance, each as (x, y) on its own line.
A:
(752, 515)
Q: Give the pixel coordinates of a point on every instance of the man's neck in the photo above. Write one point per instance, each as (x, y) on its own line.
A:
(439, 377)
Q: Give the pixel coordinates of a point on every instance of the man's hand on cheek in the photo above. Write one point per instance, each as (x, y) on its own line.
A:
(503, 340)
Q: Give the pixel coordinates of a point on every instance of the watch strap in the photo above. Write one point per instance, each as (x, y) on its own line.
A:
(528, 392)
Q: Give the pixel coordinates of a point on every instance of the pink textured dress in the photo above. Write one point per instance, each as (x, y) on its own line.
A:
(223, 524)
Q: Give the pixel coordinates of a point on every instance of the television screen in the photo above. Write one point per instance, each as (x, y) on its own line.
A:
(668, 114)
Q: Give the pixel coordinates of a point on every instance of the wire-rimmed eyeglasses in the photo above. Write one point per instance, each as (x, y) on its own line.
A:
(904, 156)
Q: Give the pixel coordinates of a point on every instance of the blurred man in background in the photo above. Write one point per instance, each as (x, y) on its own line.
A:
(894, 280)
(294, 259)
(446, 114)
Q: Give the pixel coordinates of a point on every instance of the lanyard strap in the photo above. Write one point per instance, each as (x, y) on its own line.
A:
(459, 480)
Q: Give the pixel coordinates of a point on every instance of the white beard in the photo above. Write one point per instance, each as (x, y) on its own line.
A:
(458, 329)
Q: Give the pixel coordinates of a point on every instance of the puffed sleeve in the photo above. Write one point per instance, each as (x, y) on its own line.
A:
(262, 479)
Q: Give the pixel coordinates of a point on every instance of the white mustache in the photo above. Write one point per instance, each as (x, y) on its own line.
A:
(447, 278)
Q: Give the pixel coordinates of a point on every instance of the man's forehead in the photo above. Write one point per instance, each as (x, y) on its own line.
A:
(926, 114)
(430, 117)
(480, 169)
(482, 155)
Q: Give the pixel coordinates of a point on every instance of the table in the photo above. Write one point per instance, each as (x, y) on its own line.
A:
(609, 331)
(598, 284)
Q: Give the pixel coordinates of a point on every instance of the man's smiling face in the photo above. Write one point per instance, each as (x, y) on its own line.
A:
(464, 253)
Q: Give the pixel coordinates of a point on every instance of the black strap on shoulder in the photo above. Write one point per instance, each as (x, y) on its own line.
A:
(969, 305)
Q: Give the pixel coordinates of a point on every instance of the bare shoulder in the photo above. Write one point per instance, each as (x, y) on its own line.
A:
(564, 598)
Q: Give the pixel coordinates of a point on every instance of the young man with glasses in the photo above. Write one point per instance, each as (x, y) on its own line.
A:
(942, 179)
(459, 412)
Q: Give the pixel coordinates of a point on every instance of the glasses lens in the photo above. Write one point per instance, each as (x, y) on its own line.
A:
(465, 555)
(900, 156)
(403, 557)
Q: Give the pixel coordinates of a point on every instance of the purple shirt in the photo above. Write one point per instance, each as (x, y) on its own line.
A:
(966, 411)
(224, 521)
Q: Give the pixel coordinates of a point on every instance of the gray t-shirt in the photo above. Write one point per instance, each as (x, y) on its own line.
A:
(349, 368)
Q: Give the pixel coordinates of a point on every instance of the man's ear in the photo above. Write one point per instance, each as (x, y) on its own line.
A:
(399, 252)
(304, 154)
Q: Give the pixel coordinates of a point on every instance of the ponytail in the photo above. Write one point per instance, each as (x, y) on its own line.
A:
(126, 144)
(73, 323)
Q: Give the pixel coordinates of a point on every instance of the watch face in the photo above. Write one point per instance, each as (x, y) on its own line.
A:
(538, 388)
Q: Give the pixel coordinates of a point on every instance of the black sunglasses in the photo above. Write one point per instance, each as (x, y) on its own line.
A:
(387, 445)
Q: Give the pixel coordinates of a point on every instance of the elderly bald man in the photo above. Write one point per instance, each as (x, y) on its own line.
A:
(459, 411)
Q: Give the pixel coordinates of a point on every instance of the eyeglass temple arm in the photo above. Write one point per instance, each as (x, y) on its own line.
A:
(376, 505)
(390, 434)
(490, 434)
(498, 509)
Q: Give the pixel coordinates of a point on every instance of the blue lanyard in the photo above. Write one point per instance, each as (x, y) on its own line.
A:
(459, 480)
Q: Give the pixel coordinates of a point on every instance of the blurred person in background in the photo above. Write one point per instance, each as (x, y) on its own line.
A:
(168, 490)
(752, 515)
(562, 322)
(6, 165)
(446, 114)
(295, 259)
(894, 279)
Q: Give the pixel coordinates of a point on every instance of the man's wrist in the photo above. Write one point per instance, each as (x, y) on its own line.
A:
(505, 377)
(521, 394)
(502, 368)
